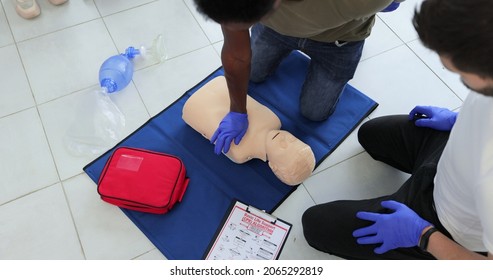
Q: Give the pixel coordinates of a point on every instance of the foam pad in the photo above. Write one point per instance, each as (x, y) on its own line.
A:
(185, 231)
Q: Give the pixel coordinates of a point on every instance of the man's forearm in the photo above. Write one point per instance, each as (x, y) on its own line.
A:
(443, 248)
(235, 57)
(237, 86)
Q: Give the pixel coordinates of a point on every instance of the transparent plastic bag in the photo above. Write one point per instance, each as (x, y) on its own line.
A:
(98, 125)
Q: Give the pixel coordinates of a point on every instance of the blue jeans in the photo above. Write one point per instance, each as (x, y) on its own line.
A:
(331, 67)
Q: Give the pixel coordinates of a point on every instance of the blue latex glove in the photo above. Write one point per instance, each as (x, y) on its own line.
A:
(433, 117)
(392, 7)
(401, 228)
(233, 127)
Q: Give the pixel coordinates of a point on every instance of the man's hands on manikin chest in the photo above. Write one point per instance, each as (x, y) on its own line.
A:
(232, 128)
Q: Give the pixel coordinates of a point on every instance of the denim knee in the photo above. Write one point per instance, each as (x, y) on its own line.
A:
(316, 115)
(318, 105)
(256, 77)
(269, 48)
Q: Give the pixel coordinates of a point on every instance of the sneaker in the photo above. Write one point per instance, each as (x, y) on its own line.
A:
(57, 2)
(27, 8)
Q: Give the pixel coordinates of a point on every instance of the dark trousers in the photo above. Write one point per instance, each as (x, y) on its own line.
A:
(398, 142)
(331, 67)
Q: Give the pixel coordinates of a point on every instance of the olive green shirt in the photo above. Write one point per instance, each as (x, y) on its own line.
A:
(326, 20)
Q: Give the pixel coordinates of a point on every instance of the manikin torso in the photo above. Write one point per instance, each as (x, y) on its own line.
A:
(289, 158)
(205, 109)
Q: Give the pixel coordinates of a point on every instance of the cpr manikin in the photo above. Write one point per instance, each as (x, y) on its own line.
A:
(291, 160)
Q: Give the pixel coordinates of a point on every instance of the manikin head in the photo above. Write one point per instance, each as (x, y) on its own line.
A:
(289, 158)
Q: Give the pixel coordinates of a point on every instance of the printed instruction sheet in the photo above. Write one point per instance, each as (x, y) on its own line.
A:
(248, 234)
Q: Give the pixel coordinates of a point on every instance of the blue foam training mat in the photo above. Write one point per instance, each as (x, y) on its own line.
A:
(185, 231)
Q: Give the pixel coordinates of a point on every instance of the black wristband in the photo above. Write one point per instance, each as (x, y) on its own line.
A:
(425, 238)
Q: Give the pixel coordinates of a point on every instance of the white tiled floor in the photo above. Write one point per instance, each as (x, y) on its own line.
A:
(49, 208)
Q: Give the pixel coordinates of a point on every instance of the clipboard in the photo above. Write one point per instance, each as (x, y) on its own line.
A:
(247, 233)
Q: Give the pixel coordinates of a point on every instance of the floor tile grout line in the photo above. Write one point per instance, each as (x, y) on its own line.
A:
(433, 71)
(8, 23)
(198, 23)
(144, 253)
(48, 143)
(337, 163)
(33, 107)
(55, 31)
(29, 193)
(382, 52)
(37, 104)
(21, 61)
(407, 45)
(309, 194)
(402, 42)
(390, 28)
(67, 201)
(100, 17)
(124, 10)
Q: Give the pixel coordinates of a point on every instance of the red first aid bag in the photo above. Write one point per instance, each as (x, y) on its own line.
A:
(143, 180)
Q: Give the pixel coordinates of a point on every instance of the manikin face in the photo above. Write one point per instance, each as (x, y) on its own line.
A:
(281, 145)
(472, 81)
(289, 158)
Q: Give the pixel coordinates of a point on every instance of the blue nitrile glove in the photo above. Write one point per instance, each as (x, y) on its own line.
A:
(433, 117)
(392, 7)
(233, 127)
(401, 228)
